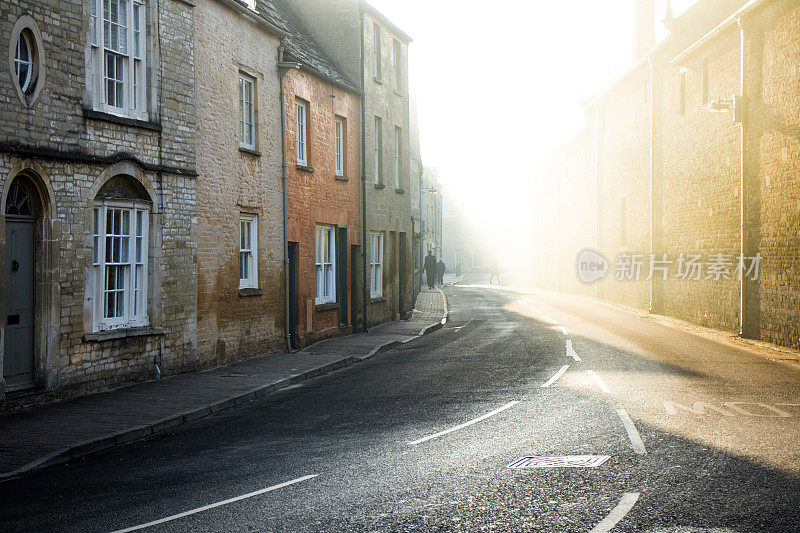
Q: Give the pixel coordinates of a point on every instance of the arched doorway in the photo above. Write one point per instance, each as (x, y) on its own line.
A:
(21, 210)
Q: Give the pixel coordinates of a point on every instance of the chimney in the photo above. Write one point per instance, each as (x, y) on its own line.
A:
(644, 36)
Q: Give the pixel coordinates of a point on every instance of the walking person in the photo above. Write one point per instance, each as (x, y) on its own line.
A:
(430, 269)
(495, 272)
(440, 269)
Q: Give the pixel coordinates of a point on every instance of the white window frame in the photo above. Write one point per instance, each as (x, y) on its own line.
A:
(27, 63)
(397, 57)
(248, 251)
(338, 146)
(376, 266)
(132, 257)
(301, 144)
(325, 271)
(398, 147)
(129, 56)
(376, 52)
(377, 148)
(247, 111)
(476, 259)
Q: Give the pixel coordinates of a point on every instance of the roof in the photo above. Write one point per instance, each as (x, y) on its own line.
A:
(386, 22)
(300, 46)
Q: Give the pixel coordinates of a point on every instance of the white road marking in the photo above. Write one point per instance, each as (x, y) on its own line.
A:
(633, 434)
(218, 504)
(599, 381)
(571, 351)
(617, 513)
(555, 376)
(563, 330)
(465, 424)
(551, 320)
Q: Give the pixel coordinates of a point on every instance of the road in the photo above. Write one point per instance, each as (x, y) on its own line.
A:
(699, 434)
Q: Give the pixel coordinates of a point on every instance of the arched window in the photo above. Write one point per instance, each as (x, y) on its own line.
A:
(20, 200)
(120, 222)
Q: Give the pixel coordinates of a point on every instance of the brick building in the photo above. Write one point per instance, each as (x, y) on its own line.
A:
(321, 106)
(97, 161)
(240, 273)
(671, 177)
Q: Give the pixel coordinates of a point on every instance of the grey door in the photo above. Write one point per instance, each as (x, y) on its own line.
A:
(18, 347)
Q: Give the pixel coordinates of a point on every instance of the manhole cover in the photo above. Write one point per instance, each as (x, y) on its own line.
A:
(560, 461)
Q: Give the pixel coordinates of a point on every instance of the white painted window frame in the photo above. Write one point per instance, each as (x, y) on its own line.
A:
(398, 148)
(376, 266)
(338, 146)
(377, 149)
(247, 111)
(376, 52)
(135, 284)
(397, 58)
(248, 251)
(130, 58)
(325, 272)
(301, 141)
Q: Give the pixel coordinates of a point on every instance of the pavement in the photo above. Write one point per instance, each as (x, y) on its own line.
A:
(526, 411)
(57, 433)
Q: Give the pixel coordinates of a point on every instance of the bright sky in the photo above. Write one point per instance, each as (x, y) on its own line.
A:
(498, 86)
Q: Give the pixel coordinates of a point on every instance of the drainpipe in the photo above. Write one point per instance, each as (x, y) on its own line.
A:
(739, 112)
(283, 68)
(363, 179)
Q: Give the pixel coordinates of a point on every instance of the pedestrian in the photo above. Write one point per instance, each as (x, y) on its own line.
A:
(430, 269)
(495, 272)
(440, 268)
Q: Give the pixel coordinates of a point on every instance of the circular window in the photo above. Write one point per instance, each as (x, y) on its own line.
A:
(26, 59)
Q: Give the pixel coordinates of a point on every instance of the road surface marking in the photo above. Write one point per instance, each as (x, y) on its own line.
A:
(617, 513)
(555, 376)
(599, 381)
(633, 434)
(551, 320)
(571, 351)
(775, 412)
(465, 424)
(563, 330)
(218, 504)
(559, 461)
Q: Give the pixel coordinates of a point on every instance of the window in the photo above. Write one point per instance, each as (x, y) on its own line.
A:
(338, 146)
(300, 123)
(459, 258)
(248, 252)
(378, 150)
(476, 259)
(376, 266)
(398, 140)
(682, 90)
(397, 55)
(326, 264)
(119, 238)
(117, 31)
(376, 54)
(23, 61)
(247, 111)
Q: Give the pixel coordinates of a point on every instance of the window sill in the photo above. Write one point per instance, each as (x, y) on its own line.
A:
(250, 151)
(377, 299)
(326, 306)
(398, 93)
(121, 333)
(377, 80)
(399, 191)
(304, 168)
(342, 178)
(250, 291)
(108, 117)
(380, 186)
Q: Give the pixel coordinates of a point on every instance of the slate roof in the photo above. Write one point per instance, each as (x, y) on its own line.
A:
(300, 46)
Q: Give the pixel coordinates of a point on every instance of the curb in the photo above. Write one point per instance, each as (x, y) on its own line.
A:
(100, 444)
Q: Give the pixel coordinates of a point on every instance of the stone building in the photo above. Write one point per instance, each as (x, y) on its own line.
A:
(97, 161)
(322, 117)
(706, 167)
(240, 273)
(371, 49)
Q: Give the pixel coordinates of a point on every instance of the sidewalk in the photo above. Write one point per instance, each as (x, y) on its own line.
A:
(61, 432)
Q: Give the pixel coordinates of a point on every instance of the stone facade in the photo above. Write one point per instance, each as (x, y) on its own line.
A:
(71, 156)
(234, 322)
(690, 175)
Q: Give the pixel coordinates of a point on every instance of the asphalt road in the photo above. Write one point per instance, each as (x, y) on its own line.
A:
(700, 436)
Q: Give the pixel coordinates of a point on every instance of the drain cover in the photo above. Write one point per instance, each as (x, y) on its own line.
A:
(560, 461)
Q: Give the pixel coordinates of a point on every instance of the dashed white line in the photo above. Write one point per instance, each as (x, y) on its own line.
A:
(555, 376)
(563, 330)
(218, 504)
(599, 381)
(571, 351)
(551, 320)
(633, 434)
(465, 424)
(617, 513)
